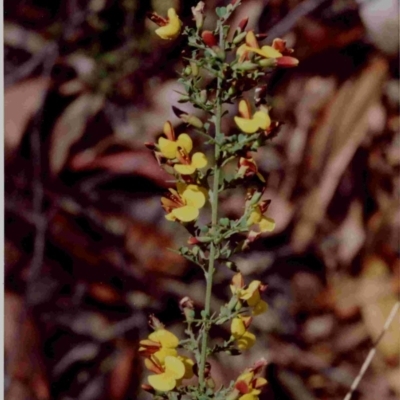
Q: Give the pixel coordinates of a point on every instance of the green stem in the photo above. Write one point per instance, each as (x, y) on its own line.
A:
(214, 221)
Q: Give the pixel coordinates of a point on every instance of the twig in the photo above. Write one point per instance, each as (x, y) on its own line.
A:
(290, 20)
(372, 352)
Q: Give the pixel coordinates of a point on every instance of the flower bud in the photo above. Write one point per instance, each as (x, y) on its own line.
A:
(268, 62)
(187, 70)
(287, 62)
(238, 38)
(187, 307)
(193, 120)
(203, 96)
(245, 66)
(195, 68)
(243, 23)
(233, 302)
(155, 323)
(209, 39)
(198, 14)
(210, 383)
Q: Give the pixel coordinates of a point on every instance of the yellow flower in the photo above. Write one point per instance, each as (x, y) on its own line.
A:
(248, 168)
(160, 344)
(169, 147)
(248, 384)
(187, 165)
(184, 203)
(167, 374)
(251, 124)
(251, 295)
(252, 45)
(239, 327)
(257, 218)
(170, 27)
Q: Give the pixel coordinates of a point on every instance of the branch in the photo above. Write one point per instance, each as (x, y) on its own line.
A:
(372, 352)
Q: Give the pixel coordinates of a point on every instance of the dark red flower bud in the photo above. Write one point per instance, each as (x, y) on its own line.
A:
(287, 62)
(243, 23)
(209, 38)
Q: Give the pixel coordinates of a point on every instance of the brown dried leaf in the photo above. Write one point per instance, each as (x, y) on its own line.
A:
(121, 375)
(71, 126)
(20, 103)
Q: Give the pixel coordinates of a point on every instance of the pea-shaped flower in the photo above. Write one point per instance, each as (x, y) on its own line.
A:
(187, 164)
(249, 123)
(252, 45)
(250, 294)
(170, 27)
(169, 146)
(239, 326)
(257, 217)
(249, 385)
(184, 203)
(167, 374)
(160, 344)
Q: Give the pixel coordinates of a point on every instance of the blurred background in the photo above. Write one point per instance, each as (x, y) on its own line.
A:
(86, 242)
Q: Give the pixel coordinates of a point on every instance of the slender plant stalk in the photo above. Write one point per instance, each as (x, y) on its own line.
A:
(214, 219)
(372, 352)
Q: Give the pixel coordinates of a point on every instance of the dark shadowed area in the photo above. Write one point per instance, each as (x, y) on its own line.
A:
(86, 241)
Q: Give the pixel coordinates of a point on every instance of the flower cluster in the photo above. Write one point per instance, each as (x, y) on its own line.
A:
(218, 69)
(250, 297)
(161, 358)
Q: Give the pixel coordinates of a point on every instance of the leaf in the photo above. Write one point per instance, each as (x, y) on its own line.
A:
(71, 126)
(20, 103)
(221, 11)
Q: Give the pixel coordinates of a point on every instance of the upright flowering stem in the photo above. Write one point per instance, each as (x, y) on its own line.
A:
(214, 220)
(236, 66)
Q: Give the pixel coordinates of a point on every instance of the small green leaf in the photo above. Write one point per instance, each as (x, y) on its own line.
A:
(221, 11)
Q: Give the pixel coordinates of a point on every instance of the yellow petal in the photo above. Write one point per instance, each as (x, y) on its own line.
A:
(246, 341)
(186, 213)
(173, 27)
(165, 352)
(174, 367)
(262, 118)
(170, 217)
(260, 308)
(270, 52)
(185, 142)
(244, 109)
(199, 160)
(189, 363)
(251, 40)
(248, 396)
(241, 50)
(181, 187)
(185, 169)
(260, 382)
(254, 299)
(247, 125)
(265, 51)
(246, 377)
(237, 328)
(166, 338)
(266, 224)
(162, 382)
(167, 147)
(194, 196)
(255, 217)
